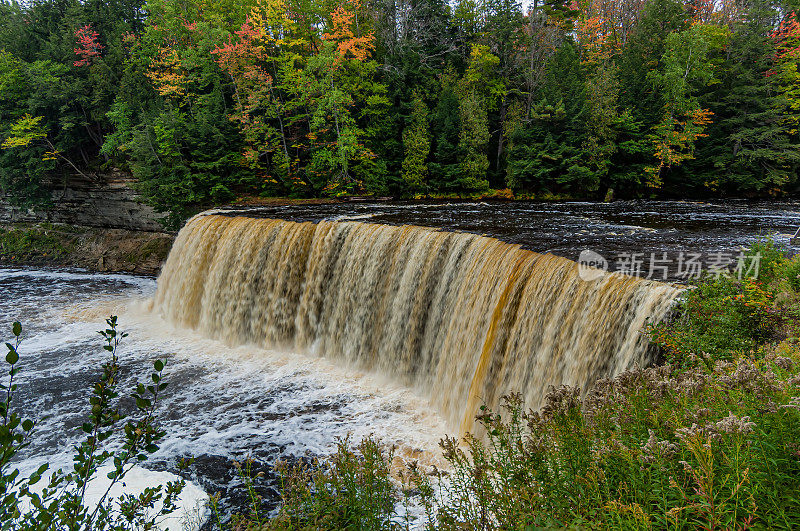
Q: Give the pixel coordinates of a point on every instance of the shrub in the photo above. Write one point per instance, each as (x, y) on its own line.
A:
(720, 317)
(352, 489)
(60, 503)
(31, 241)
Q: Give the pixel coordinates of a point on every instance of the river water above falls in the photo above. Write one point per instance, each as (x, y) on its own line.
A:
(566, 229)
(283, 336)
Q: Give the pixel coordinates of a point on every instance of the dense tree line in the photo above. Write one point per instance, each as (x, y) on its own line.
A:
(204, 100)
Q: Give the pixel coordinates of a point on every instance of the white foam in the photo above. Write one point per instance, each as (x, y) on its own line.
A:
(351, 402)
(192, 505)
(222, 401)
(353, 218)
(140, 282)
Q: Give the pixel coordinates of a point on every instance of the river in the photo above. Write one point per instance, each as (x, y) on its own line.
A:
(231, 397)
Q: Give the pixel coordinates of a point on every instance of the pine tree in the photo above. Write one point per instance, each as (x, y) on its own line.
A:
(445, 126)
(416, 141)
(478, 91)
(548, 154)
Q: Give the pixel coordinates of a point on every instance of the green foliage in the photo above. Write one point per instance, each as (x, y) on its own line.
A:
(338, 83)
(205, 101)
(184, 163)
(721, 317)
(750, 143)
(643, 53)
(58, 501)
(690, 61)
(652, 448)
(417, 145)
(472, 144)
(548, 152)
(22, 242)
(446, 126)
(352, 489)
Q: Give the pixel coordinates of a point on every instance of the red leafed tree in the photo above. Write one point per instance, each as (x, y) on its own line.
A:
(88, 47)
(245, 60)
(242, 59)
(787, 39)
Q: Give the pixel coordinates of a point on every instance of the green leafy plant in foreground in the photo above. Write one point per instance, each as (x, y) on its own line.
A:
(654, 448)
(352, 489)
(109, 438)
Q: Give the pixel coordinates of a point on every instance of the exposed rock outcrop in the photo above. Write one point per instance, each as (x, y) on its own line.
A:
(107, 201)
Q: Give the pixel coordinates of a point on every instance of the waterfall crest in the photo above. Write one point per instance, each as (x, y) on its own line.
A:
(463, 319)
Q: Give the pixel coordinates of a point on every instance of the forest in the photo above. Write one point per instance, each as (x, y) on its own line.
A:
(204, 101)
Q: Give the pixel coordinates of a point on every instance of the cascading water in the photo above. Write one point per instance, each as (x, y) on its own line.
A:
(463, 319)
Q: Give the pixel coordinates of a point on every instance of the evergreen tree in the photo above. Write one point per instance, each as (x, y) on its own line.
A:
(445, 126)
(751, 145)
(416, 141)
(478, 92)
(547, 154)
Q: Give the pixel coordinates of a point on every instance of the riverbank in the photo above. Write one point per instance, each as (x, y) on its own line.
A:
(104, 248)
(92, 248)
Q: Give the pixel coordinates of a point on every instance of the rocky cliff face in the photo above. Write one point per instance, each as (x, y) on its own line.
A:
(107, 201)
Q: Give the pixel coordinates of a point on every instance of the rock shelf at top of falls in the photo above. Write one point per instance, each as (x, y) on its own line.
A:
(461, 318)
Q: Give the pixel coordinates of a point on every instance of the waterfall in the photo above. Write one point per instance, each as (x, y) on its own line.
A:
(463, 319)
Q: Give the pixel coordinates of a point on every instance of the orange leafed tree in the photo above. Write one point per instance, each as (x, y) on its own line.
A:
(337, 88)
(242, 60)
(261, 51)
(674, 145)
(349, 46)
(594, 38)
(166, 73)
(613, 19)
